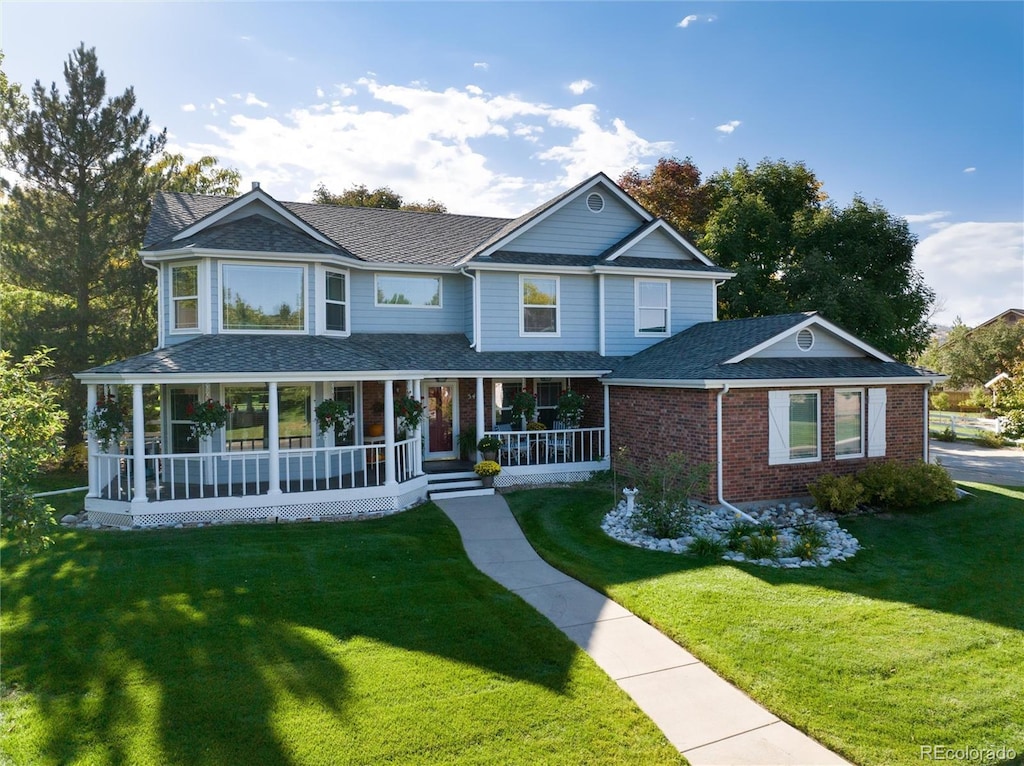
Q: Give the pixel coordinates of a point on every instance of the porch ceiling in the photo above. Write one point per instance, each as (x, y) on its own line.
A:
(314, 357)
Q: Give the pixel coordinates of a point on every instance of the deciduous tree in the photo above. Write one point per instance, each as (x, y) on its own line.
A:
(383, 197)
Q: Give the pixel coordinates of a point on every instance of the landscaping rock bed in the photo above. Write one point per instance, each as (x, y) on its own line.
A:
(790, 526)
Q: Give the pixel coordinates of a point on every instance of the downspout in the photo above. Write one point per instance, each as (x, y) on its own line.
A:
(721, 496)
(159, 312)
(476, 307)
(927, 434)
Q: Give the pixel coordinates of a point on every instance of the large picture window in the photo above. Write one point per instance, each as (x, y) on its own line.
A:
(263, 298)
(409, 291)
(794, 427)
(539, 309)
(247, 426)
(849, 423)
(652, 307)
(185, 297)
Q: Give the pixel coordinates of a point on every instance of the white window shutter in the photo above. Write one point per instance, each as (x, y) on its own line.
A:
(876, 422)
(778, 427)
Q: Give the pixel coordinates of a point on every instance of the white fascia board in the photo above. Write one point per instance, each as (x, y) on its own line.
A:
(247, 199)
(813, 319)
(248, 255)
(600, 179)
(775, 382)
(662, 225)
(529, 268)
(676, 273)
(405, 268)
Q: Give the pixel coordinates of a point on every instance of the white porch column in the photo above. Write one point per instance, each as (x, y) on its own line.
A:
(138, 445)
(92, 444)
(274, 439)
(389, 434)
(417, 394)
(481, 425)
(607, 423)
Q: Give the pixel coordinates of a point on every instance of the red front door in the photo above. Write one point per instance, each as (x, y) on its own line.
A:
(440, 420)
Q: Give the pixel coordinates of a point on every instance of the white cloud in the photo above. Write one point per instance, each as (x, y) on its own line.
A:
(687, 21)
(976, 269)
(188, 107)
(475, 90)
(251, 100)
(320, 93)
(728, 127)
(425, 143)
(935, 215)
(221, 101)
(969, 170)
(580, 86)
(481, 65)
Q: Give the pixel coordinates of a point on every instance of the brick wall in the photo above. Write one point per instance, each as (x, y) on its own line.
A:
(654, 421)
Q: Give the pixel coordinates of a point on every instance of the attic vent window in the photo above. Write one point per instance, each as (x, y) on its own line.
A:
(805, 340)
(595, 202)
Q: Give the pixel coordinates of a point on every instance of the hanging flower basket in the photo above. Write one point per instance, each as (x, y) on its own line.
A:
(524, 405)
(331, 414)
(410, 412)
(105, 422)
(570, 408)
(207, 417)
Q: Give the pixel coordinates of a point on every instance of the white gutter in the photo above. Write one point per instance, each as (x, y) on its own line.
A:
(721, 497)
(476, 307)
(927, 433)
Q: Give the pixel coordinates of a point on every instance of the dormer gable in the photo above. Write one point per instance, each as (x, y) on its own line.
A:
(813, 337)
(585, 221)
(656, 240)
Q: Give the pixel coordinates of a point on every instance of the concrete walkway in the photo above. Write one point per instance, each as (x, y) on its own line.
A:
(708, 719)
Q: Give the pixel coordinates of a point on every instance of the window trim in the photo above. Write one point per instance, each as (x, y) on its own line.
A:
(440, 291)
(495, 410)
(835, 422)
(778, 437)
(263, 331)
(172, 328)
(321, 304)
(557, 307)
(637, 333)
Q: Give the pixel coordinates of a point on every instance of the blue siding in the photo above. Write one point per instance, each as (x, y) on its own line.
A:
(692, 301)
(825, 345)
(658, 244)
(450, 318)
(575, 230)
(500, 318)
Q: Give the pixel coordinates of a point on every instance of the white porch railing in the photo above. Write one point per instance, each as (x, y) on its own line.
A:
(241, 473)
(560, 446)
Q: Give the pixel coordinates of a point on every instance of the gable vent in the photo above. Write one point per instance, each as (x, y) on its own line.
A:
(804, 340)
(595, 202)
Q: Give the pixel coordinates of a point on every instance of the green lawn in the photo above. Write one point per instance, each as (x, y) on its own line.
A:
(332, 643)
(918, 640)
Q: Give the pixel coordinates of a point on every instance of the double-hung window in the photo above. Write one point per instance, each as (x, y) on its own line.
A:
(335, 302)
(539, 305)
(185, 297)
(794, 427)
(849, 415)
(652, 307)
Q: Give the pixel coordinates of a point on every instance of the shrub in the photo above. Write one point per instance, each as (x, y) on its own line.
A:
(837, 494)
(704, 545)
(899, 485)
(666, 486)
(1012, 424)
(940, 401)
(947, 434)
(661, 521)
(75, 458)
(989, 439)
(762, 544)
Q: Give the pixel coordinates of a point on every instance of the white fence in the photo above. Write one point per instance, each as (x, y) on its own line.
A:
(570, 445)
(247, 472)
(963, 426)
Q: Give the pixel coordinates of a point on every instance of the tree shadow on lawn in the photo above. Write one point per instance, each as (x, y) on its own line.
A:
(198, 635)
(962, 558)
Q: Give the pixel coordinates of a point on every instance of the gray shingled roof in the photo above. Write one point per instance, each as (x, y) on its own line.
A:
(637, 262)
(174, 211)
(257, 233)
(233, 354)
(699, 353)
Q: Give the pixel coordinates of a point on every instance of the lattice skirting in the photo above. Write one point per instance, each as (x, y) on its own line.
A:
(324, 509)
(505, 479)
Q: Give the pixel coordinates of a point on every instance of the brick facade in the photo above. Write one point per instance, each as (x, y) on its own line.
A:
(652, 422)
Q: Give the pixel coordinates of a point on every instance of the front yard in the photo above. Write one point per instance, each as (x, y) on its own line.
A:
(368, 642)
(916, 641)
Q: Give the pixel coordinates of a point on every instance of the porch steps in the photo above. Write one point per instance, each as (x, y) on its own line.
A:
(444, 486)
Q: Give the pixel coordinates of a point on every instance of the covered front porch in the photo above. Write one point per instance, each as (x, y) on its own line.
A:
(271, 461)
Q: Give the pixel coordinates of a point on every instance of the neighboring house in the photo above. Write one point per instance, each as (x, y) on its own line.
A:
(273, 307)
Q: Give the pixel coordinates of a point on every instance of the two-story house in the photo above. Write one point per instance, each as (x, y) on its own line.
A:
(273, 307)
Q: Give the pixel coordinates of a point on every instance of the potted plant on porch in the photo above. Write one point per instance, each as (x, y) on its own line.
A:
(105, 422)
(570, 408)
(331, 413)
(489, 446)
(487, 470)
(409, 412)
(207, 417)
(524, 407)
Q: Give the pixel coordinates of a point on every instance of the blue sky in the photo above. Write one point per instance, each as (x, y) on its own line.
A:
(493, 107)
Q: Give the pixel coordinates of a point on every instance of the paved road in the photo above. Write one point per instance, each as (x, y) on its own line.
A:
(969, 462)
